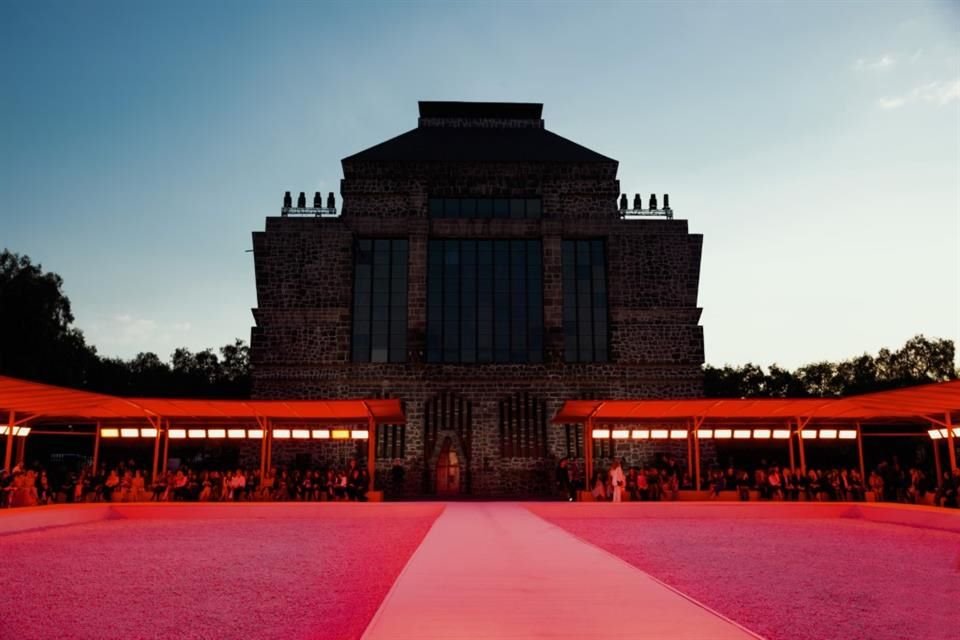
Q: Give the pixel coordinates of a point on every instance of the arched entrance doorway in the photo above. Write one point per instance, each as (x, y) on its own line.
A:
(448, 470)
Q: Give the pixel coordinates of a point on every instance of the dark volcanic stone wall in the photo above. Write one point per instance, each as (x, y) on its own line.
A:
(301, 341)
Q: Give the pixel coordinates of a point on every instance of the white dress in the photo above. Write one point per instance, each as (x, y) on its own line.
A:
(617, 481)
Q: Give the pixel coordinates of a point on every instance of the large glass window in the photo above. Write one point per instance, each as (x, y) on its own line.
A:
(585, 329)
(515, 208)
(485, 301)
(380, 300)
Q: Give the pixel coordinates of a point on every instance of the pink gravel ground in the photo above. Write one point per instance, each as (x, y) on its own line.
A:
(793, 579)
(267, 573)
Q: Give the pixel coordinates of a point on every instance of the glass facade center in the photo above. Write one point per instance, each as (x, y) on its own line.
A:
(485, 301)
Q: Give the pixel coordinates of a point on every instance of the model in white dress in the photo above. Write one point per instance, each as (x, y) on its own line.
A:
(617, 480)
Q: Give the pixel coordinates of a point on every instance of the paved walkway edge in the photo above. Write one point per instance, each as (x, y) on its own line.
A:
(498, 571)
(393, 587)
(658, 581)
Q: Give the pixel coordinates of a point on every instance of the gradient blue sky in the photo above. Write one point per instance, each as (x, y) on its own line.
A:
(815, 146)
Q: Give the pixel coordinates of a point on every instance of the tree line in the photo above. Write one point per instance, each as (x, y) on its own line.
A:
(921, 360)
(39, 342)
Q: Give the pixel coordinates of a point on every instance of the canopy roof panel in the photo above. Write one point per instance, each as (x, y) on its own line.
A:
(920, 402)
(34, 400)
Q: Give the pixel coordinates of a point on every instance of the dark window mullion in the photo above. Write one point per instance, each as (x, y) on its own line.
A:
(373, 253)
(593, 352)
(443, 299)
(575, 312)
(389, 296)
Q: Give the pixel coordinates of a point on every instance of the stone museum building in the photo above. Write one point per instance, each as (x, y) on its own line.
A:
(482, 269)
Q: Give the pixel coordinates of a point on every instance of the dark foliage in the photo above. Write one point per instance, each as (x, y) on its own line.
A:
(920, 361)
(37, 342)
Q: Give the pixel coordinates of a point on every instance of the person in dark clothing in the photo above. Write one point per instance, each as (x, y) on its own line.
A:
(743, 485)
(357, 486)
(397, 477)
(564, 481)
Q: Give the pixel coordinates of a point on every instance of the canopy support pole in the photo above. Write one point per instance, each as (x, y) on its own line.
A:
(22, 451)
(863, 468)
(156, 448)
(690, 436)
(372, 452)
(96, 451)
(936, 462)
(697, 423)
(263, 449)
(803, 457)
(588, 455)
(166, 449)
(268, 442)
(952, 449)
(793, 464)
(8, 454)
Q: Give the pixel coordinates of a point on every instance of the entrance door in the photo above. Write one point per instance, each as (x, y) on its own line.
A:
(448, 471)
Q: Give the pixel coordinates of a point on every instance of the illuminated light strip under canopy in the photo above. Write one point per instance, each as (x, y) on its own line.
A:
(301, 434)
(808, 434)
(722, 433)
(216, 433)
(741, 434)
(781, 434)
(360, 434)
(678, 434)
(915, 403)
(828, 434)
(848, 434)
(17, 431)
(704, 433)
(601, 433)
(196, 433)
(659, 434)
(236, 434)
(321, 434)
(640, 434)
(620, 434)
(281, 434)
(340, 434)
(761, 434)
(128, 432)
(177, 434)
(255, 433)
(940, 434)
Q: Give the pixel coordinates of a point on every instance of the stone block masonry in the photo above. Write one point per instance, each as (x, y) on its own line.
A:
(492, 420)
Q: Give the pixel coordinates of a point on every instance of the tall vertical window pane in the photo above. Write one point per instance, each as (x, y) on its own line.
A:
(585, 326)
(380, 300)
(484, 301)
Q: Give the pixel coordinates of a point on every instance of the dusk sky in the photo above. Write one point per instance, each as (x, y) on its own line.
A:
(816, 146)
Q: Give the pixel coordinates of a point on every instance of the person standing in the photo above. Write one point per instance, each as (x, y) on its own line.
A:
(563, 479)
(617, 480)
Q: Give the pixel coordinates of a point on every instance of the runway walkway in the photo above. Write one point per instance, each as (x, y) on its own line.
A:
(495, 570)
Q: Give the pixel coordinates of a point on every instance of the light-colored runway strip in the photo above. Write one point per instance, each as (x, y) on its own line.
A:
(495, 570)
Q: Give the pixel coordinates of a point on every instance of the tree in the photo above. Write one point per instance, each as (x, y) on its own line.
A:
(36, 339)
(920, 361)
(38, 342)
(735, 382)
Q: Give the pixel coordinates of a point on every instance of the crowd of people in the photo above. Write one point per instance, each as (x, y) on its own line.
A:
(664, 479)
(127, 483)
(660, 481)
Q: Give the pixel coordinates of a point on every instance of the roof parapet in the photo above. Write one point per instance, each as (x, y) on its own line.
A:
(489, 115)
